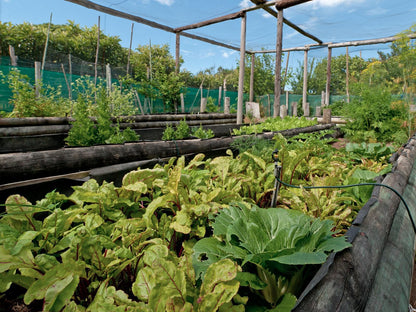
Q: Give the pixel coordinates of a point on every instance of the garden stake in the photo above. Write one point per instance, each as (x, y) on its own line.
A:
(277, 170)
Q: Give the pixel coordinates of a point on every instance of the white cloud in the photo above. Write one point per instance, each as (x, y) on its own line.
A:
(310, 23)
(245, 4)
(333, 3)
(166, 2)
(377, 11)
(227, 54)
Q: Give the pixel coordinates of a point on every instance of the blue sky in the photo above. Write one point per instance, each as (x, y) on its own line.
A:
(329, 20)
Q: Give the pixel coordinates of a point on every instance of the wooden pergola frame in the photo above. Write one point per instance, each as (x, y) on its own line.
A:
(279, 5)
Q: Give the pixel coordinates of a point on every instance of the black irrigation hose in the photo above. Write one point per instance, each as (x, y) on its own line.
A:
(347, 186)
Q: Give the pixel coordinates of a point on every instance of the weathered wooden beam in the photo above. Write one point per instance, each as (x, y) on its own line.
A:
(253, 63)
(97, 7)
(90, 5)
(288, 23)
(284, 4)
(278, 64)
(214, 42)
(177, 53)
(241, 70)
(305, 80)
(368, 42)
(328, 77)
(211, 21)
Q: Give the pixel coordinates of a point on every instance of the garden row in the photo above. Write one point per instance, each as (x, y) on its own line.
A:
(191, 236)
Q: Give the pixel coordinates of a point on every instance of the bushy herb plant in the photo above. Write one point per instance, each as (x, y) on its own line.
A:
(372, 117)
(26, 103)
(86, 131)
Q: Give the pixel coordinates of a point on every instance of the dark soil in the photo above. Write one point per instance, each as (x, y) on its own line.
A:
(12, 301)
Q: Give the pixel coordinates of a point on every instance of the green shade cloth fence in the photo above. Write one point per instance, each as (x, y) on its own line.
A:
(192, 96)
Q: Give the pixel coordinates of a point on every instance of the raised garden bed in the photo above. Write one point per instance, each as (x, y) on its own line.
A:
(45, 133)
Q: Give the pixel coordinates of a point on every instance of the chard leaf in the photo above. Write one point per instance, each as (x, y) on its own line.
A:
(144, 284)
(60, 293)
(7, 278)
(182, 222)
(60, 276)
(108, 299)
(219, 285)
(170, 283)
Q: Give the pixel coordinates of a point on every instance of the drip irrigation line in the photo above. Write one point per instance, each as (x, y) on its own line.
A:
(278, 181)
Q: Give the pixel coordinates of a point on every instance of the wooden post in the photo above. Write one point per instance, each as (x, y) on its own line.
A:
(328, 77)
(287, 100)
(294, 109)
(278, 77)
(269, 107)
(203, 107)
(225, 88)
(219, 96)
(67, 82)
(286, 69)
(128, 56)
(241, 72)
(326, 116)
(226, 105)
(178, 53)
(253, 61)
(45, 50)
(347, 78)
(38, 78)
(108, 78)
(283, 111)
(96, 53)
(182, 103)
(305, 80)
(13, 57)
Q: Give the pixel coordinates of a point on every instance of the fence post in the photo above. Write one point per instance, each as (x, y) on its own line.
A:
(226, 105)
(13, 57)
(294, 109)
(38, 78)
(203, 105)
(327, 116)
(182, 103)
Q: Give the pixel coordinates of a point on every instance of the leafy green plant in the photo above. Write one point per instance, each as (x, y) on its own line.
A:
(169, 133)
(201, 133)
(26, 103)
(273, 246)
(95, 101)
(372, 118)
(182, 130)
(211, 106)
(275, 124)
(376, 151)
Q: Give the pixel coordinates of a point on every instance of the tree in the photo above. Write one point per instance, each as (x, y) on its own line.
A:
(317, 74)
(264, 67)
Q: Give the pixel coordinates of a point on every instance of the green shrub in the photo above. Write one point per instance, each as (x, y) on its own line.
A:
(373, 117)
(27, 103)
